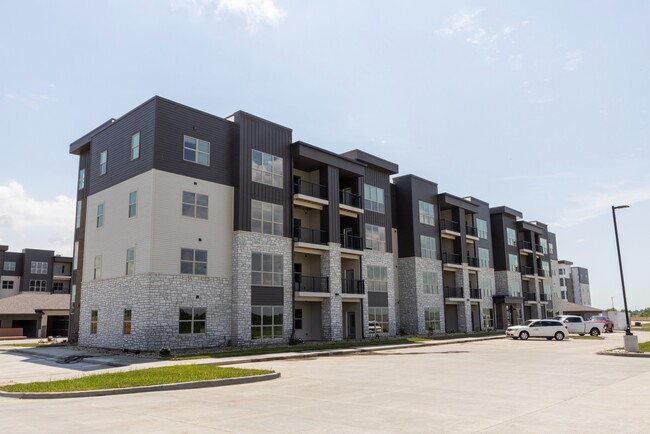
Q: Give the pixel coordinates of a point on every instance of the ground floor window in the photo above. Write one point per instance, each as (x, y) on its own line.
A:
(432, 319)
(191, 320)
(488, 321)
(266, 322)
(93, 322)
(38, 285)
(7, 284)
(378, 320)
(126, 325)
(297, 319)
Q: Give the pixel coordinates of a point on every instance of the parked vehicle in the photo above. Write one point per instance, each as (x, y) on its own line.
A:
(608, 324)
(575, 324)
(538, 328)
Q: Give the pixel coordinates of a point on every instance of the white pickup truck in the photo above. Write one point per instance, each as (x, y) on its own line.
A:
(575, 324)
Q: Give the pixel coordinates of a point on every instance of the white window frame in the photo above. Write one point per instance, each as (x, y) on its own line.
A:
(260, 222)
(375, 237)
(427, 213)
(94, 321)
(377, 278)
(38, 267)
(482, 228)
(195, 205)
(133, 204)
(276, 329)
(135, 146)
(100, 215)
(513, 265)
(267, 169)
(194, 320)
(97, 268)
(9, 266)
(488, 321)
(430, 282)
(130, 261)
(8, 284)
(127, 324)
(37, 285)
(511, 240)
(201, 150)
(483, 257)
(270, 271)
(426, 244)
(379, 315)
(374, 198)
(77, 222)
(82, 179)
(103, 162)
(432, 319)
(195, 259)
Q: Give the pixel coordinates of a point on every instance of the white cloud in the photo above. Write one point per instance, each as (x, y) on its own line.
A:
(31, 101)
(460, 22)
(253, 12)
(572, 60)
(36, 223)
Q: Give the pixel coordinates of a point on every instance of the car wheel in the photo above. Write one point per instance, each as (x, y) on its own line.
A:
(594, 332)
(523, 336)
(549, 338)
(559, 336)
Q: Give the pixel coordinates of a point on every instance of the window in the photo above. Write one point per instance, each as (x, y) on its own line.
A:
(135, 146)
(483, 258)
(97, 270)
(511, 234)
(100, 215)
(551, 248)
(133, 204)
(485, 284)
(195, 205)
(126, 323)
(427, 215)
(564, 295)
(513, 260)
(266, 269)
(93, 322)
(38, 285)
(375, 237)
(377, 279)
(266, 322)
(39, 267)
(9, 266)
(7, 284)
(431, 319)
(544, 244)
(547, 269)
(77, 223)
(378, 318)
(562, 281)
(482, 229)
(297, 319)
(57, 287)
(266, 218)
(103, 162)
(75, 256)
(130, 261)
(373, 198)
(82, 179)
(196, 150)
(427, 247)
(430, 282)
(488, 322)
(515, 288)
(191, 320)
(194, 261)
(267, 169)
(561, 271)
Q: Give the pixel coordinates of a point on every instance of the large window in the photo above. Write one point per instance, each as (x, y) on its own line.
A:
(547, 268)
(38, 267)
(135, 146)
(375, 237)
(373, 198)
(266, 218)
(9, 266)
(266, 269)
(513, 261)
(97, 270)
(133, 204)
(485, 284)
(100, 215)
(488, 322)
(38, 285)
(191, 320)
(94, 316)
(195, 205)
(267, 169)
(194, 261)
(378, 319)
(377, 278)
(103, 162)
(512, 236)
(126, 322)
(130, 261)
(7, 284)
(482, 229)
(427, 247)
(77, 222)
(562, 283)
(297, 319)
(266, 322)
(430, 282)
(483, 258)
(431, 319)
(82, 179)
(427, 214)
(196, 150)
(75, 255)
(515, 288)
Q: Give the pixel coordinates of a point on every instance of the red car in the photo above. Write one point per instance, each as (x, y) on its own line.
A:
(608, 324)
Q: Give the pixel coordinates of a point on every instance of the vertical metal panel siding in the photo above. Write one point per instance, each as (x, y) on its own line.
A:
(484, 214)
(40, 256)
(498, 241)
(382, 180)
(330, 178)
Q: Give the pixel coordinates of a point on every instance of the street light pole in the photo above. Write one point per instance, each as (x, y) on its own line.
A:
(620, 265)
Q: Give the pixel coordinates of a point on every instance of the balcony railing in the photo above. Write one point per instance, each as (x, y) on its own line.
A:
(539, 248)
(451, 258)
(350, 199)
(352, 286)
(453, 292)
(472, 262)
(541, 272)
(307, 235)
(528, 271)
(530, 296)
(471, 231)
(310, 283)
(310, 189)
(475, 293)
(449, 225)
(525, 245)
(543, 297)
(351, 242)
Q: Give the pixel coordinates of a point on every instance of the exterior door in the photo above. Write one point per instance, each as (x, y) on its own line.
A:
(352, 325)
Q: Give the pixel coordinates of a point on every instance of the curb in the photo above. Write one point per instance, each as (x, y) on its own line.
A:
(623, 354)
(141, 389)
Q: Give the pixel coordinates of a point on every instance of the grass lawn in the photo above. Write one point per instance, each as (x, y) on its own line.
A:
(142, 377)
(643, 328)
(644, 347)
(587, 337)
(28, 345)
(322, 346)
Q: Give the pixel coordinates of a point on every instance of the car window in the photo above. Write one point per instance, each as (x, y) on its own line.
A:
(535, 324)
(528, 323)
(574, 320)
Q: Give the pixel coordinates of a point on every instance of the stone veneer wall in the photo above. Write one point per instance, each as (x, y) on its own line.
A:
(332, 308)
(413, 300)
(154, 300)
(381, 259)
(503, 281)
(243, 245)
(464, 308)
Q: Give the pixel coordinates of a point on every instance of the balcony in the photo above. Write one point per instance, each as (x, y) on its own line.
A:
(526, 246)
(307, 235)
(310, 283)
(471, 231)
(453, 291)
(451, 258)
(472, 262)
(543, 297)
(450, 226)
(527, 271)
(310, 189)
(352, 242)
(350, 199)
(542, 273)
(539, 249)
(352, 286)
(475, 293)
(529, 296)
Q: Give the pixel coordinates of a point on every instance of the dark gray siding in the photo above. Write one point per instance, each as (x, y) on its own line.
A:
(39, 256)
(330, 221)
(381, 179)
(13, 257)
(377, 299)
(501, 249)
(267, 296)
(484, 214)
(409, 190)
(553, 240)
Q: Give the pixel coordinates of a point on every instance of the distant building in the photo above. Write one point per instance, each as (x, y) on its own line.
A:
(574, 283)
(34, 293)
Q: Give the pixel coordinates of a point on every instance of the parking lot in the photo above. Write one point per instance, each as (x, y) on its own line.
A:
(498, 386)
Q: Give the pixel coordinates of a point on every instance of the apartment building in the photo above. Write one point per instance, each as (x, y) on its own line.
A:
(574, 283)
(34, 293)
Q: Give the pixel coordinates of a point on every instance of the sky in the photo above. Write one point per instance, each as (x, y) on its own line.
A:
(540, 106)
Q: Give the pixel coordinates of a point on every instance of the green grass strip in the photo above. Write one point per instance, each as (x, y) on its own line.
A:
(142, 377)
(644, 347)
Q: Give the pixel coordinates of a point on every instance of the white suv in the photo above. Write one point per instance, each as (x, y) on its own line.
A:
(538, 328)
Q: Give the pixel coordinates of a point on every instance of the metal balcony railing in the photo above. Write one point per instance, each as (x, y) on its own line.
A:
(451, 258)
(474, 293)
(352, 286)
(310, 189)
(528, 271)
(453, 292)
(472, 262)
(310, 283)
(307, 235)
(529, 296)
(471, 230)
(539, 248)
(351, 242)
(350, 199)
(525, 245)
(543, 297)
(541, 272)
(449, 225)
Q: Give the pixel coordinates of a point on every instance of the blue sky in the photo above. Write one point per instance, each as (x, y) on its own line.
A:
(541, 106)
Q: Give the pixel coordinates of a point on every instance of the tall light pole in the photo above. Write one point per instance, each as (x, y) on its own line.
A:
(620, 265)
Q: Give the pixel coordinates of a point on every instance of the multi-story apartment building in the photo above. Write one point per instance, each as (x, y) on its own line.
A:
(574, 283)
(34, 292)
